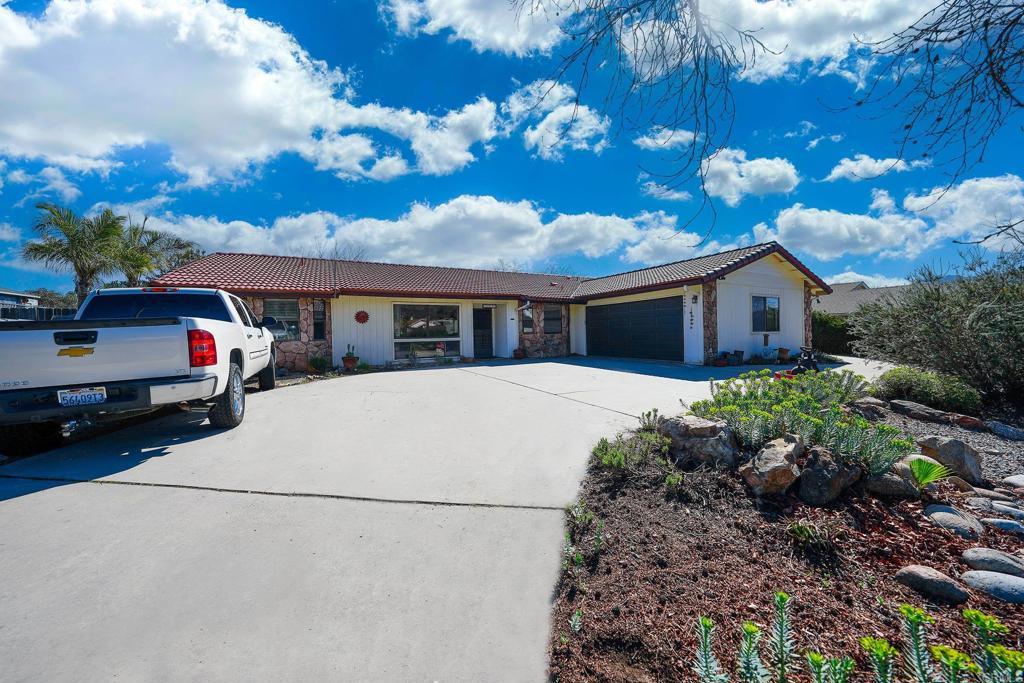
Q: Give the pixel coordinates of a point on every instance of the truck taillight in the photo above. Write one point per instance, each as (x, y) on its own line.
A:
(202, 349)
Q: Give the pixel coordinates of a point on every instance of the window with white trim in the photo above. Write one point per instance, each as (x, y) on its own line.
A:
(426, 330)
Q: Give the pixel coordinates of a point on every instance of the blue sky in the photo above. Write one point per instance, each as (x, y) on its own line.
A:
(396, 129)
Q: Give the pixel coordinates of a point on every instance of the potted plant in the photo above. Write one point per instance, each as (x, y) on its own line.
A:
(518, 353)
(721, 360)
(350, 360)
(783, 354)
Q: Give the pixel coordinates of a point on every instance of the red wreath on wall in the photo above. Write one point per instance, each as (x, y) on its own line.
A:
(362, 317)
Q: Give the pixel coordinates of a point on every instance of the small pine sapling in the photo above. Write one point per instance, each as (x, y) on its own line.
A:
(749, 667)
(953, 664)
(706, 666)
(916, 662)
(780, 641)
(883, 657)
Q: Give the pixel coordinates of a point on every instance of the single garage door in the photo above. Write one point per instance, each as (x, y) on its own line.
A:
(638, 329)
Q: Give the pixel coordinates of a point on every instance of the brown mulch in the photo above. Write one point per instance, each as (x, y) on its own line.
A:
(709, 549)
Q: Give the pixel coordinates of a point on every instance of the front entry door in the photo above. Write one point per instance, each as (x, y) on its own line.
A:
(483, 336)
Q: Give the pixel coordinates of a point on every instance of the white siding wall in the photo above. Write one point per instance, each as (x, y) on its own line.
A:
(578, 329)
(770, 276)
(374, 340)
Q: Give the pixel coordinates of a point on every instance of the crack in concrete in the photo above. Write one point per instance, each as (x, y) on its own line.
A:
(284, 494)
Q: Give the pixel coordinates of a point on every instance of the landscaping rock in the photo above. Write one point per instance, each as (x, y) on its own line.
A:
(990, 560)
(932, 584)
(1000, 586)
(1015, 482)
(869, 407)
(695, 439)
(960, 523)
(979, 504)
(966, 421)
(991, 495)
(1007, 510)
(961, 485)
(1007, 525)
(1004, 430)
(962, 458)
(918, 411)
(774, 468)
(824, 478)
(891, 485)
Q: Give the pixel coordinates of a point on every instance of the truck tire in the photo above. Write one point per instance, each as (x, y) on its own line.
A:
(268, 375)
(24, 439)
(229, 408)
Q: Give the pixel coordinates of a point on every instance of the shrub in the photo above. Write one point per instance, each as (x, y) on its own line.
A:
(831, 333)
(626, 451)
(993, 663)
(760, 408)
(970, 325)
(944, 392)
(320, 364)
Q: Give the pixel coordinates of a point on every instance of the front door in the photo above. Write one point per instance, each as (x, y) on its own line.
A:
(483, 335)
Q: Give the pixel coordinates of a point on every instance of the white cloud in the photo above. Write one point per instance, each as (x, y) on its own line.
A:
(863, 167)
(223, 91)
(9, 233)
(805, 128)
(49, 182)
(970, 209)
(731, 176)
(493, 25)
(876, 280)
(560, 122)
(835, 137)
(664, 138)
(661, 241)
(659, 191)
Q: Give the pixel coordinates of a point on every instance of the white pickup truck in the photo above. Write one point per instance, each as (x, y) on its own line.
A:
(128, 351)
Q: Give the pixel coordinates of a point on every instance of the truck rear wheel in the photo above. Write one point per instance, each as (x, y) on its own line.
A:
(23, 439)
(229, 408)
(268, 375)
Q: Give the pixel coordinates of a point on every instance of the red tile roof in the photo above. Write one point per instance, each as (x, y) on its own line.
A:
(262, 274)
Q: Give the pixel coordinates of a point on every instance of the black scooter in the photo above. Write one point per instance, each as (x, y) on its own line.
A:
(805, 361)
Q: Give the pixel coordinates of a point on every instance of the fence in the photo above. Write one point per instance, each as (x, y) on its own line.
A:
(37, 313)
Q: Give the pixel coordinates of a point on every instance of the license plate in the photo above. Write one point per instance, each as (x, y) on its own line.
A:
(72, 398)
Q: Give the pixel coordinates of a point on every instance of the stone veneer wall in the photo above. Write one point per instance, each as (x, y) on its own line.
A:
(710, 299)
(540, 345)
(808, 327)
(295, 355)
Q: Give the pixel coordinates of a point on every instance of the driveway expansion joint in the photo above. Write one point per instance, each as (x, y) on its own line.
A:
(551, 393)
(285, 494)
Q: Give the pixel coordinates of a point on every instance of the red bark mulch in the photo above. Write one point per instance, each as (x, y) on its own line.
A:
(710, 550)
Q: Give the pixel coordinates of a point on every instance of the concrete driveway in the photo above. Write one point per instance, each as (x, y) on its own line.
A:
(392, 526)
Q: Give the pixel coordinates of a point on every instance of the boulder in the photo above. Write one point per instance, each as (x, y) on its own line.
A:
(932, 584)
(966, 421)
(1015, 482)
(960, 523)
(1003, 587)
(869, 407)
(960, 484)
(891, 485)
(1010, 526)
(979, 504)
(1004, 430)
(990, 560)
(918, 411)
(961, 458)
(774, 468)
(824, 478)
(696, 440)
(1008, 510)
(991, 495)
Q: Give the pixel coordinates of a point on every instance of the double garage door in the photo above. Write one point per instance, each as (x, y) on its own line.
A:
(638, 329)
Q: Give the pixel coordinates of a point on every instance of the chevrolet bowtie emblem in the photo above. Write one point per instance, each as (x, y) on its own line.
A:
(76, 351)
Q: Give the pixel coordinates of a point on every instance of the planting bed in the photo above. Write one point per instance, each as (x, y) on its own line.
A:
(669, 555)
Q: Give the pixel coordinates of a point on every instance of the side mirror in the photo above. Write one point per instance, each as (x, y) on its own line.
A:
(268, 322)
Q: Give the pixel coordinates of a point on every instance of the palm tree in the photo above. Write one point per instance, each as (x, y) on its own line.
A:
(85, 246)
(142, 251)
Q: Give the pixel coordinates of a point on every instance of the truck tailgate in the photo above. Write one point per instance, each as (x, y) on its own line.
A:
(68, 353)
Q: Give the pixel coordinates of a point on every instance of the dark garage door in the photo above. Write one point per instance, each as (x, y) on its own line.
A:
(638, 329)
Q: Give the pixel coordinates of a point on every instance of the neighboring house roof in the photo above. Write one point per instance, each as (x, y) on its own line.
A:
(20, 295)
(841, 287)
(262, 274)
(846, 302)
